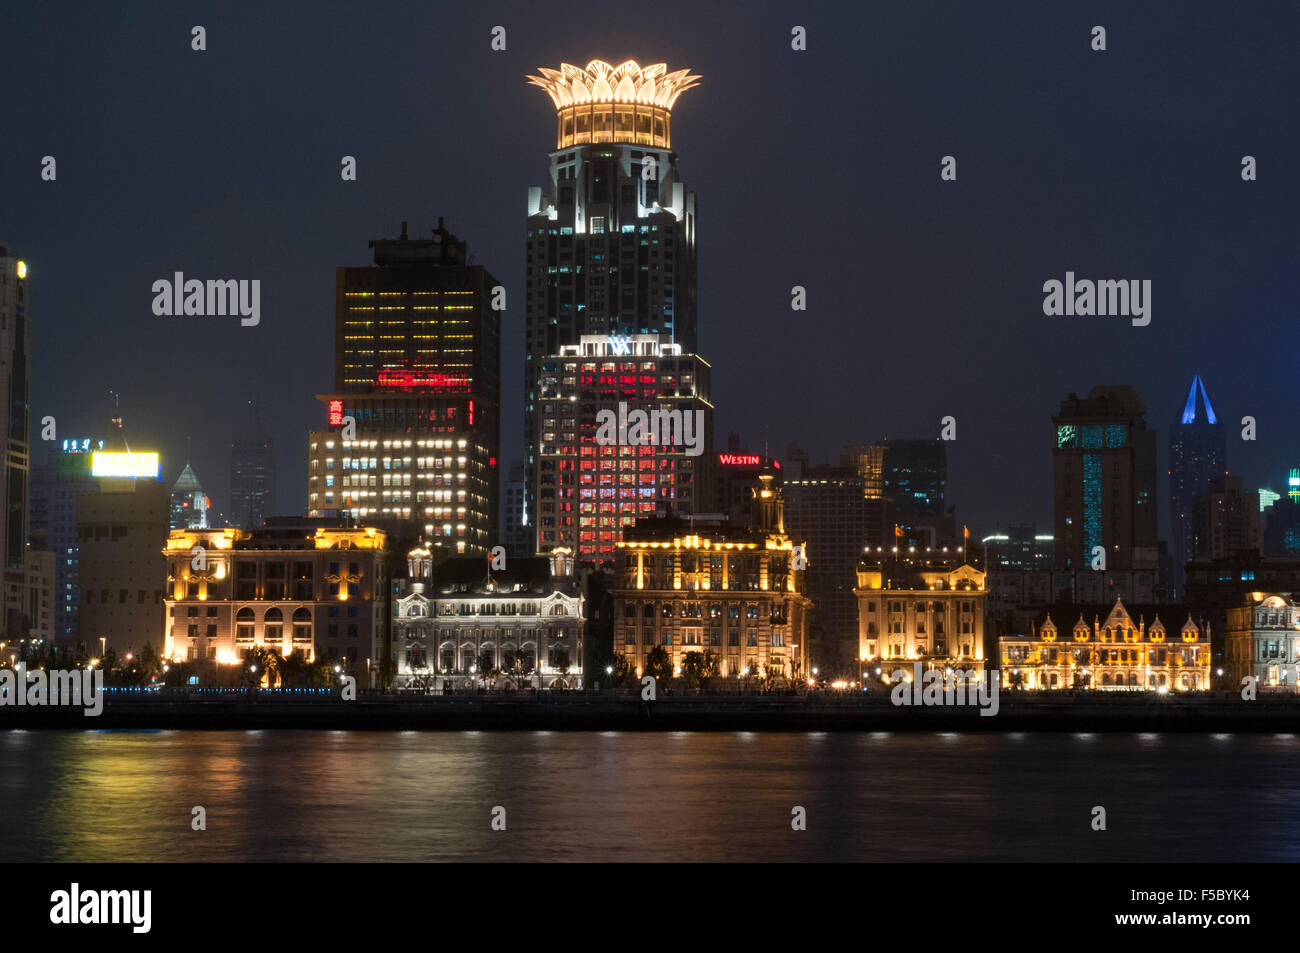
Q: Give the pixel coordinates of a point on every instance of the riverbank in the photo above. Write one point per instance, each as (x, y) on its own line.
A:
(592, 711)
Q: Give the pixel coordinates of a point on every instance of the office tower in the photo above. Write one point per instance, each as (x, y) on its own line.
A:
(516, 532)
(1198, 452)
(1018, 548)
(252, 475)
(914, 477)
(56, 483)
(1225, 520)
(122, 524)
(15, 369)
(737, 477)
(611, 238)
(417, 371)
(1104, 479)
(189, 505)
(596, 473)
(730, 591)
(1282, 521)
(869, 461)
(825, 509)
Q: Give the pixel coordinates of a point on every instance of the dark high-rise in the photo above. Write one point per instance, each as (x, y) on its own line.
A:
(1198, 453)
(914, 478)
(611, 238)
(418, 371)
(252, 476)
(1104, 482)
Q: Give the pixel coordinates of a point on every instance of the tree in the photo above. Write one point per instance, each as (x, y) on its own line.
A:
(109, 664)
(659, 665)
(293, 669)
(560, 660)
(486, 665)
(624, 675)
(387, 672)
(698, 668)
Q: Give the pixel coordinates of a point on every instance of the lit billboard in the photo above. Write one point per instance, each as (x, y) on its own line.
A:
(135, 466)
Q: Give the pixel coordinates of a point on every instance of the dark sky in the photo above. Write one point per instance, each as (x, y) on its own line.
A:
(818, 168)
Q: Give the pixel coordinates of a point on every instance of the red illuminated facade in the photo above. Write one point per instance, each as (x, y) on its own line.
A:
(589, 493)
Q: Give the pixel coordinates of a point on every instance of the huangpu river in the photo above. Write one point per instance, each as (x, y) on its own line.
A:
(568, 796)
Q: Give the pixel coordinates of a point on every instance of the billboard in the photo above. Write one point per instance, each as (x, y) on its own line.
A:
(135, 466)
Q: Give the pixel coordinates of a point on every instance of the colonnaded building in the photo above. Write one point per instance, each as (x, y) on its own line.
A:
(733, 591)
(292, 585)
(464, 623)
(1124, 651)
(925, 604)
(1263, 640)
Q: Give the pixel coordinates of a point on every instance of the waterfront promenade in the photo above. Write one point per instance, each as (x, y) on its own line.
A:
(626, 711)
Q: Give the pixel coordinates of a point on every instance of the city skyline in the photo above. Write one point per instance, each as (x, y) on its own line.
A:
(755, 114)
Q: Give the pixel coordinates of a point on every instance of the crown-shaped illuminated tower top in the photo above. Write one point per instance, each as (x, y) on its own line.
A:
(605, 103)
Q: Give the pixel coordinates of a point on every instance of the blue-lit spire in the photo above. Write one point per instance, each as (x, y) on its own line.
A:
(1189, 409)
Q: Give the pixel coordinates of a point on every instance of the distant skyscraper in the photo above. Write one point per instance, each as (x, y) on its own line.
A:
(418, 368)
(252, 476)
(15, 369)
(516, 533)
(189, 505)
(1104, 464)
(1198, 451)
(914, 479)
(611, 240)
(55, 486)
(1225, 520)
(826, 510)
(1019, 548)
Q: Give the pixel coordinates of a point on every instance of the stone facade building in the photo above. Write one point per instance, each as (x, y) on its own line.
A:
(1124, 651)
(1263, 640)
(735, 592)
(292, 585)
(465, 624)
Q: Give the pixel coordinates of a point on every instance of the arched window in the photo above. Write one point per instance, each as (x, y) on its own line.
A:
(273, 614)
(245, 615)
(302, 615)
(559, 610)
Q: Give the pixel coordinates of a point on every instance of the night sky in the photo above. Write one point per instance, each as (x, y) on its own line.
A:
(816, 168)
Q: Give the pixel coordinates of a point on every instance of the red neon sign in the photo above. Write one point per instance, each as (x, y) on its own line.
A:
(336, 413)
(738, 459)
(403, 379)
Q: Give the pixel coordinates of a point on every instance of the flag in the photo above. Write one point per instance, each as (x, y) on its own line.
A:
(966, 529)
(898, 531)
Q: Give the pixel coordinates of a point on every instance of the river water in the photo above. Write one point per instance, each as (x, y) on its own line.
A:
(430, 796)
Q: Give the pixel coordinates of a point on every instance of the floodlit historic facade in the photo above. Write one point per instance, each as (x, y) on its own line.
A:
(735, 592)
(1263, 640)
(289, 586)
(1125, 651)
(464, 624)
(921, 605)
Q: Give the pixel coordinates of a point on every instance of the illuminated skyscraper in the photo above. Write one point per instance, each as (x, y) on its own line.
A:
(1198, 453)
(591, 488)
(611, 239)
(1104, 468)
(417, 369)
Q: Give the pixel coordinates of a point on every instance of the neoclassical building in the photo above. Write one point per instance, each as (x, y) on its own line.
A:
(733, 591)
(308, 585)
(1122, 652)
(464, 624)
(1263, 639)
(921, 605)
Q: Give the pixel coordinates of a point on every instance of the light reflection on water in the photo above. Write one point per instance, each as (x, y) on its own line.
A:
(410, 796)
